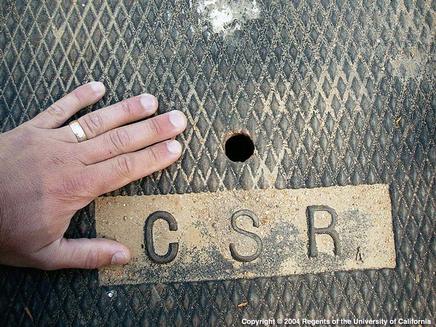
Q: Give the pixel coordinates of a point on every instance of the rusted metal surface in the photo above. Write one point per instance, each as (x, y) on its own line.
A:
(245, 234)
(331, 93)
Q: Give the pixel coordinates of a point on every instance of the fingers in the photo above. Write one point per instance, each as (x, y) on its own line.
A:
(114, 173)
(132, 137)
(121, 113)
(60, 111)
(82, 253)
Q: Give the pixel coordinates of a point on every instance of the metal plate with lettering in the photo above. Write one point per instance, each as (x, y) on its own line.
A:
(245, 234)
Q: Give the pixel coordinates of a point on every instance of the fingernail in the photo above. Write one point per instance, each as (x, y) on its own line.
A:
(177, 119)
(148, 102)
(97, 87)
(119, 258)
(174, 147)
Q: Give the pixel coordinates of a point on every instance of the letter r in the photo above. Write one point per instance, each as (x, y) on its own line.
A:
(329, 230)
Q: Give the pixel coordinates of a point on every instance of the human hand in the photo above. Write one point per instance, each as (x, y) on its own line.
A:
(46, 175)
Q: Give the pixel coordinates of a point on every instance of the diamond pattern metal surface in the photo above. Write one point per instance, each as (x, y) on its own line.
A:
(333, 92)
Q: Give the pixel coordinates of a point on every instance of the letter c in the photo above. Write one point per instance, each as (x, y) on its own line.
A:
(173, 248)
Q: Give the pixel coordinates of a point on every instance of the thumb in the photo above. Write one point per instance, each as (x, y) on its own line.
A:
(82, 253)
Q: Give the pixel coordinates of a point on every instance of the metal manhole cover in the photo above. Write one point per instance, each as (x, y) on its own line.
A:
(332, 93)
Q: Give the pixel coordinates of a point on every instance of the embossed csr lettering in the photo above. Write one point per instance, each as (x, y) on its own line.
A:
(173, 248)
(255, 237)
(329, 230)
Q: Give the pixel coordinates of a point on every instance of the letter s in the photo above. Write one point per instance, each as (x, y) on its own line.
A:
(256, 238)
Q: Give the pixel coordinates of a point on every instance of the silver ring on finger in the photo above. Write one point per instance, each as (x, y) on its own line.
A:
(78, 131)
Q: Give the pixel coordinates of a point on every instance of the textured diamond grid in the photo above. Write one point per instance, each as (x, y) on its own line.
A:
(333, 93)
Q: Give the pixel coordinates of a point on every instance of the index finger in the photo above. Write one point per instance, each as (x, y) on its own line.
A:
(111, 174)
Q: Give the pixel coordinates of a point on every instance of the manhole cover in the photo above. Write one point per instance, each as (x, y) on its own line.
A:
(279, 95)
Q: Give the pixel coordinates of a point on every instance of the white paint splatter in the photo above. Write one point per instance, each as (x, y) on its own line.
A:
(227, 16)
(409, 66)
